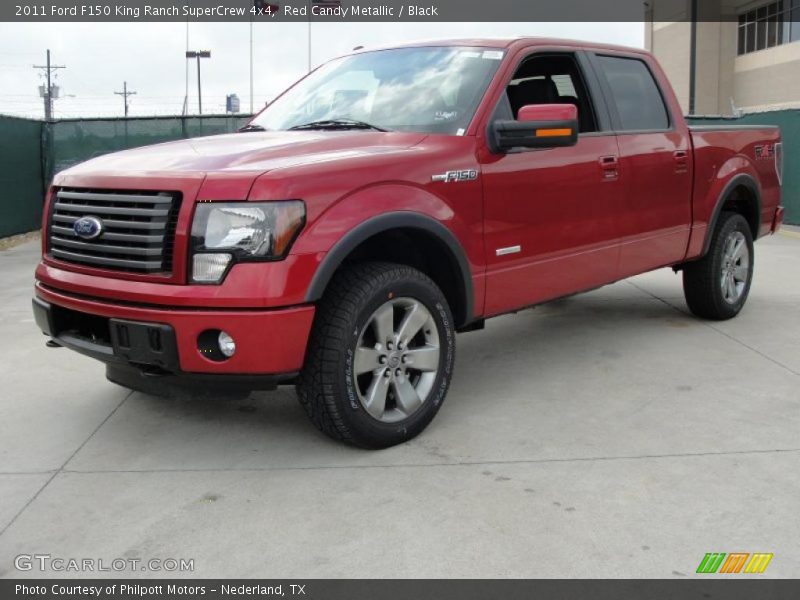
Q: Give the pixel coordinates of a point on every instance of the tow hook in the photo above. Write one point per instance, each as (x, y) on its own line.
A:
(150, 371)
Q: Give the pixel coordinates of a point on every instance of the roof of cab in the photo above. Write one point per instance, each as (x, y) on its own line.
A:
(508, 43)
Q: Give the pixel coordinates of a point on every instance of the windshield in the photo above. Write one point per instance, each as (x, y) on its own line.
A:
(429, 90)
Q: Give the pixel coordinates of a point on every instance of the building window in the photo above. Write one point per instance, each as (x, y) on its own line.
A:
(769, 25)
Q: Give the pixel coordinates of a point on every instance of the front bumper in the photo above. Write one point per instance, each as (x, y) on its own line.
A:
(270, 344)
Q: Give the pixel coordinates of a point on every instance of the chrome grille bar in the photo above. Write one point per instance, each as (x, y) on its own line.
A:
(114, 198)
(148, 265)
(113, 223)
(111, 210)
(116, 237)
(94, 247)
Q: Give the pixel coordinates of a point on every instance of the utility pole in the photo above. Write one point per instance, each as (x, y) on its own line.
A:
(186, 95)
(48, 91)
(125, 93)
(198, 55)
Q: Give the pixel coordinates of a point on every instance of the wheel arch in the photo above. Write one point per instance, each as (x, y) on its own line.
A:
(740, 194)
(407, 223)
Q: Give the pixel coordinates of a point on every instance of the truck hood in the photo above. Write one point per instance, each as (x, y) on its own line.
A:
(253, 152)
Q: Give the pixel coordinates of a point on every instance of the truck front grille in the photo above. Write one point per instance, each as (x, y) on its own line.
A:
(138, 229)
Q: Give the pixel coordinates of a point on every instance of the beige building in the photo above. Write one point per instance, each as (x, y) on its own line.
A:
(746, 54)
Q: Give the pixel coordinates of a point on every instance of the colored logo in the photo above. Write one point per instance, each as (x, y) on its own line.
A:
(764, 152)
(735, 562)
(88, 228)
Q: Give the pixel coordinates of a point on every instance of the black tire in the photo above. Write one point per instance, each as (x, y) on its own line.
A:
(702, 279)
(327, 388)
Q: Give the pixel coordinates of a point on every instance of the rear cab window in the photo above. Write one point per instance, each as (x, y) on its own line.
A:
(634, 94)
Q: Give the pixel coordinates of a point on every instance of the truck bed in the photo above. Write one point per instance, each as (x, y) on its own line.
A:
(720, 150)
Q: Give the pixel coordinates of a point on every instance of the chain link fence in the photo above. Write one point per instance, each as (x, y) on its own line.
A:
(31, 152)
(71, 141)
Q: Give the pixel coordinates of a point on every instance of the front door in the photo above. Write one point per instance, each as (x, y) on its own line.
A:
(550, 215)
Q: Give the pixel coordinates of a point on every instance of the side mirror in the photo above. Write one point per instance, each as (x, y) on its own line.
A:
(537, 126)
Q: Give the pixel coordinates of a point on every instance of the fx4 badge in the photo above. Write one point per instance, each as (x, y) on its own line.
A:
(456, 176)
(764, 151)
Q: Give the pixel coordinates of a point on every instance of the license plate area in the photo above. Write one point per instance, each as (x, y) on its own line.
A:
(144, 343)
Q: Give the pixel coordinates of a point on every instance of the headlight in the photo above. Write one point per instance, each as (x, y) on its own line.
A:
(226, 232)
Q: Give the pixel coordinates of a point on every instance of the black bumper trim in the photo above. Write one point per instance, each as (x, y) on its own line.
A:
(161, 383)
(109, 340)
(43, 316)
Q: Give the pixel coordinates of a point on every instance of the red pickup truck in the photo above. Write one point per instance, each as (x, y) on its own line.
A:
(385, 202)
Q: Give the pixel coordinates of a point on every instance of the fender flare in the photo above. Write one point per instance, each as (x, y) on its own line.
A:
(735, 181)
(384, 222)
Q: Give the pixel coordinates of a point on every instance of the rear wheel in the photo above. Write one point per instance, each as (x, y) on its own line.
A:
(380, 355)
(716, 286)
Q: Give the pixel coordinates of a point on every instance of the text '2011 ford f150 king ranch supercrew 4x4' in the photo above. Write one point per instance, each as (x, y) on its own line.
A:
(386, 201)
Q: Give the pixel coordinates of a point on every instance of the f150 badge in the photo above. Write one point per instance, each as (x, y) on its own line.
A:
(456, 176)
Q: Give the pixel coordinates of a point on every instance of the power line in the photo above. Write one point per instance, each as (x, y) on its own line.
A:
(48, 92)
(125, 93)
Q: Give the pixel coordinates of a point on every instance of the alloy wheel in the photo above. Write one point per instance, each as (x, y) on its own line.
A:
(396, 360)
(735, 267)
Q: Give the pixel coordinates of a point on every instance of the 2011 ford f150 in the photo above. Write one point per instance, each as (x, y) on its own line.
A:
(386, 201)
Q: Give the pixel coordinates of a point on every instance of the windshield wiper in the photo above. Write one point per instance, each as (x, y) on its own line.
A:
(250, 127)
(338, 124)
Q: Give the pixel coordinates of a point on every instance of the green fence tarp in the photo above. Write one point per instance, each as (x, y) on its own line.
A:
(789, 122)
(21, 175)
(72, 141)
(32, 151)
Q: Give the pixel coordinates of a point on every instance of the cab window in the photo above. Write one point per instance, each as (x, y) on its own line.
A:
(635, 93)
(551, 79)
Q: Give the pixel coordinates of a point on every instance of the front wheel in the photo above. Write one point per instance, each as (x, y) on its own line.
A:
(716, 286)
(380, 355)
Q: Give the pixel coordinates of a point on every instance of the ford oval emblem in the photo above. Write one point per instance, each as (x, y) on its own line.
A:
(88, 228)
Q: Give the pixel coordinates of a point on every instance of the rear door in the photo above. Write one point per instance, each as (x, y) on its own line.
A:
(550, 224)
(655, 155)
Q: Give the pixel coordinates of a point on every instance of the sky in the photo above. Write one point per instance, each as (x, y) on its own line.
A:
(99, 57)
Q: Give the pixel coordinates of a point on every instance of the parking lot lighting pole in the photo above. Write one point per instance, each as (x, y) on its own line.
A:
(198, 55)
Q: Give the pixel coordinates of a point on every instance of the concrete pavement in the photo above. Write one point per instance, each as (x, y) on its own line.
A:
(607, 435)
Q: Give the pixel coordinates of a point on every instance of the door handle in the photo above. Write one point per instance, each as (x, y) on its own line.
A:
(610, 167)
(681, 158)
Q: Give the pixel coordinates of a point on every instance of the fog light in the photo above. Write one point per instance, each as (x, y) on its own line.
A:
(226, 344)
(209, 268)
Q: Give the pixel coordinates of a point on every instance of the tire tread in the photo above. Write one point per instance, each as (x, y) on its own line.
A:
(350, 289)
(701, 277)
